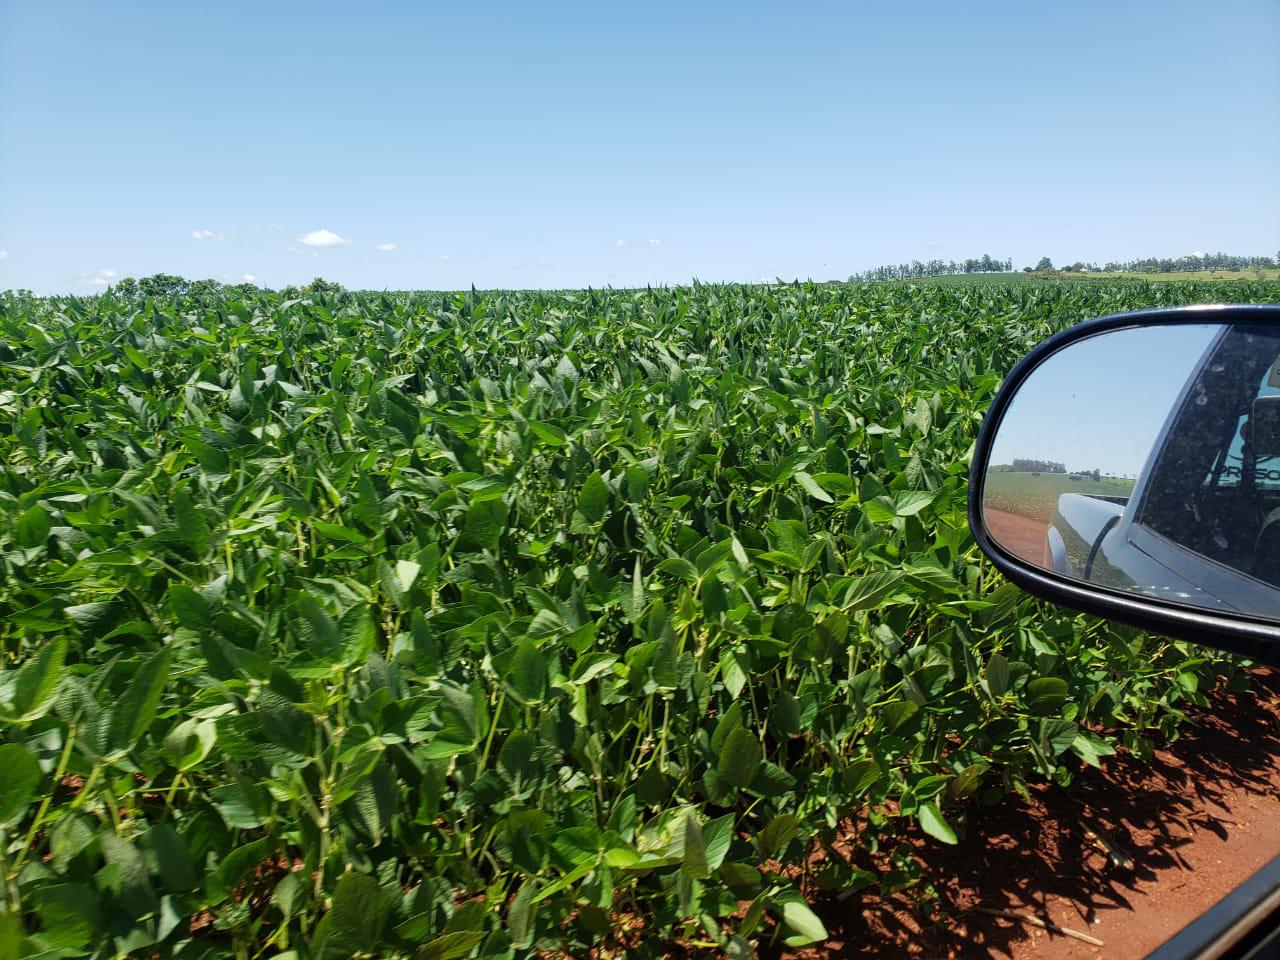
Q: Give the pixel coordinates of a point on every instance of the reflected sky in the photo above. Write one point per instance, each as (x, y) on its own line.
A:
(1099, 403)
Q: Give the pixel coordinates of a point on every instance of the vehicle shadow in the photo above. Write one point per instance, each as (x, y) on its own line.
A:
(1091, 845)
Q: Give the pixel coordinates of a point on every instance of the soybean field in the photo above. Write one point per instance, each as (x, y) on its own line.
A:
(506, 624)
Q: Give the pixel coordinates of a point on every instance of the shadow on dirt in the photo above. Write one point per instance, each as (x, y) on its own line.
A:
(1022, 857)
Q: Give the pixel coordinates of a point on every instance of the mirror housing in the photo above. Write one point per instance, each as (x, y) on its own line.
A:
(1040, 561)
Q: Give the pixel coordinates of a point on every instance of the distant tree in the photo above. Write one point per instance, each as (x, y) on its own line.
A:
(203, 288)
(322, 286)
(1044, 264)
(1022, 465)
(125, 287)
(1027, 269)
(162, 285)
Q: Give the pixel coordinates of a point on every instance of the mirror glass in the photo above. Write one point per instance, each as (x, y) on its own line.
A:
(1147, 459)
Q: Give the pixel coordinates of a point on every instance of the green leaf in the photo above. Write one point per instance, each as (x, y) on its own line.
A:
(32, 527)
(593, 498)
(934, 824)
(870, 591)
(548, 433)
(895, 715)
(1056, 735)
(135, 897)
(131, 716)
(19, 777)
(811, 487)
(911, 502)
(190, 523)
(997, 675)
(861, 775)
(804, 923)
(359, 634)
(731, 720)
(528, 676)
(1091, 749)
(354, 923)
(283, 723)
(740, 758)
(70, 915)
(521, 915)
(35, 688)
(789, 537)
(172, 862)
(451, 946)
(1046, 695)
(694, 862)
(777, 833)
(319, 633)
(189, 608)
(717, 836)
(484, 524)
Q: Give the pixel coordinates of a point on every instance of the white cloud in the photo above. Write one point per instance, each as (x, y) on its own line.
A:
(206, 234)
(249, 278)
(1197, 253)
(655, 243)
(621, 243)
(385, 247)
(444, 258)
(4, 254)
(933, 244)
(101, 278)
(301, 253)
(322, 238)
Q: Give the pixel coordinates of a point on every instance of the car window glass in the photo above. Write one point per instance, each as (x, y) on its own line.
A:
(1214, 492)
(1266, 469)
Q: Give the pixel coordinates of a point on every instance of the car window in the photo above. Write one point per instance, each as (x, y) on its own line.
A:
(1266, 469)
(1212, 489)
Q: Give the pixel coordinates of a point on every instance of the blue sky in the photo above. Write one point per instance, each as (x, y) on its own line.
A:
(575, 144)
(1100, 403)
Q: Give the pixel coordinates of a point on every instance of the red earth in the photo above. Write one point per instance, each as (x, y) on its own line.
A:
(1019, 535)
(1194, 821)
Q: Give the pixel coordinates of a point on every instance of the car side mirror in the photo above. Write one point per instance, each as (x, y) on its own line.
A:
(1129, 467)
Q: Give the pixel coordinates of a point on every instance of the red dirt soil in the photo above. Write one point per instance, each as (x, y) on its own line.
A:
(1197, 819)
(1019, 535)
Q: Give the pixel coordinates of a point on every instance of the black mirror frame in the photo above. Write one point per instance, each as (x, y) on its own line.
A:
(1251, 637)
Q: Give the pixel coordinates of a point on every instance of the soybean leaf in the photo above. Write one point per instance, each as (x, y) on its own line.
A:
(740, 758)
(134, 712)
(19, 777)
(593, 498)
(35, 687)
(355, 921)
(934, 824)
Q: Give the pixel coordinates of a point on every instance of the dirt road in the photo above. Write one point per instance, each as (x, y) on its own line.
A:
(1017, 534)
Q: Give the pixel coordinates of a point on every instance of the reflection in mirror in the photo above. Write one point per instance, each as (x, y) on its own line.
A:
(1147, 460)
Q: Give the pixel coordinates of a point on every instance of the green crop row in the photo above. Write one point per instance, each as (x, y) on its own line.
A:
(495, 624)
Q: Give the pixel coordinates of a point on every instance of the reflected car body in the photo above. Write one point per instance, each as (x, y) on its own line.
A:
(1199, 526)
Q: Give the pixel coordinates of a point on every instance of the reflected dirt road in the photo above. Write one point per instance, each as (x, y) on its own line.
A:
(1017, 534)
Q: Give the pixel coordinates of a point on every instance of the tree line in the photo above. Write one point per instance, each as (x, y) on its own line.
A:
(1025, 465)
(164, 285)
(936, 268)
(1194, 262)
(917, 269)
